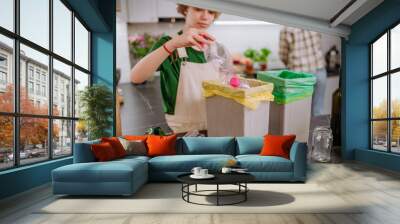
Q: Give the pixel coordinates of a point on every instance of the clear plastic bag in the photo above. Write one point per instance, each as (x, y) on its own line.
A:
(218, 55)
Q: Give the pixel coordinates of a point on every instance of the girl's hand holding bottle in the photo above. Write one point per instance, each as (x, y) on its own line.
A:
(189, 38)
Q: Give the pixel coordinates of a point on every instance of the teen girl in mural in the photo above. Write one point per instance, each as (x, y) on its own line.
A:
(184, 61)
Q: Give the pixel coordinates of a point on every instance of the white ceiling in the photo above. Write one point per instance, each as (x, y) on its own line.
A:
(324, 9)
(307, 14)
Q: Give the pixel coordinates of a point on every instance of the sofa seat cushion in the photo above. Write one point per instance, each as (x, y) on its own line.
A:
(134, 157)
(257, 163)
(111, 171)
(185, 163)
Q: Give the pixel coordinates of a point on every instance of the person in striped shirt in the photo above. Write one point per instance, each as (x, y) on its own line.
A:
(300, 50)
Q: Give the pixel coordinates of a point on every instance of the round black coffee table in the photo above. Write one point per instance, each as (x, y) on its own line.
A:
(238, 179)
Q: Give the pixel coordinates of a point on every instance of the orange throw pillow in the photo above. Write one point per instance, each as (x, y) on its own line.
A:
(116, 145)
(161, 145)
(103, 152)
(277, 145)
(135, 137)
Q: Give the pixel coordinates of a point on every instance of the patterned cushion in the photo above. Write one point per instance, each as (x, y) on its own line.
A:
(134, 147)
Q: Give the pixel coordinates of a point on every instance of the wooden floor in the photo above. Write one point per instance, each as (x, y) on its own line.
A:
(378, 189)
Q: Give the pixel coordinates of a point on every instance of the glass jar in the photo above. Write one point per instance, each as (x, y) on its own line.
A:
(322, 144)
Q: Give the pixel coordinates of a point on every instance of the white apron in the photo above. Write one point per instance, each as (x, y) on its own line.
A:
(190, 108)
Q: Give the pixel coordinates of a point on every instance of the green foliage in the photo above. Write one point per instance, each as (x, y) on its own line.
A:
(250, 53)
(257, 56)
(380, 127)
(155, 131)
(97, 104)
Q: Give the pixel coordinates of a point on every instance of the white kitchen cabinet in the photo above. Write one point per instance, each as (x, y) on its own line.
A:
(140, 11)
(167, 9)
(148, 11)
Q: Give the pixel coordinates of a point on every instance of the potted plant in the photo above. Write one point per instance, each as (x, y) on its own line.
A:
(96, 102)
(155, 131)
(140, 45)
(242, 64)
(260, 57)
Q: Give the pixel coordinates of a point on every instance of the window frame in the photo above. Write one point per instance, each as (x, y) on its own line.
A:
(16, 114)
(388, 74)
(5, 58)
(3, 74)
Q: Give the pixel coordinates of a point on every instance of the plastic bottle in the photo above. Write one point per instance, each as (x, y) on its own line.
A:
(218, 58)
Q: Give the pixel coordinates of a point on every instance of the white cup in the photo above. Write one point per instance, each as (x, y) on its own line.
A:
(196, 171)
(226, 170)
(203, 172)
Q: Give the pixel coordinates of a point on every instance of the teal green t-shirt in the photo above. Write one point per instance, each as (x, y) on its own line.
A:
(169, 72)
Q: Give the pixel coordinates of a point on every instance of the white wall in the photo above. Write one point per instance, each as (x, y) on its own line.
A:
(123, 62)
(238, 38)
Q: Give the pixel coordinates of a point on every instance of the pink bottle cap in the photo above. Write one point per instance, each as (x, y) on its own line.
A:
(235, 81)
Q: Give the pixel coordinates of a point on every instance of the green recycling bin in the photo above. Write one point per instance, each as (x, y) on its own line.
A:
(290, 112)
(289, 86)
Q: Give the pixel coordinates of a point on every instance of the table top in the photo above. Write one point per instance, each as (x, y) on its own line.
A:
(220, 178)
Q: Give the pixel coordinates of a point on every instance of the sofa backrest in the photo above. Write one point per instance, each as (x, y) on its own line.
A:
(249, 145)
(190, 146)
(83, 153)
(206, 145)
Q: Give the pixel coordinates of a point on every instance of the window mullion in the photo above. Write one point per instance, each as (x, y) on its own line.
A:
(73, 82)
(371, 89)
(16, 84)
(50, 81)
(89, 53)
(389, 108)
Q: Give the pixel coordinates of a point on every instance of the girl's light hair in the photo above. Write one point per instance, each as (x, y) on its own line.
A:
(182, 9)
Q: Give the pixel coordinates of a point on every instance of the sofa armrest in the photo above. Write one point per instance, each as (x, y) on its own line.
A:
(83, 152)
(298, 155)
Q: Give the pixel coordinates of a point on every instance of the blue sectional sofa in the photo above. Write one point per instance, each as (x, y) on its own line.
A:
(125, 176)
